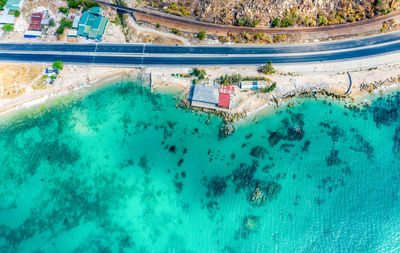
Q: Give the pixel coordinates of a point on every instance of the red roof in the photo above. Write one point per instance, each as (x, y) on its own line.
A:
(36, 22)
(224, 100)
(228, 89)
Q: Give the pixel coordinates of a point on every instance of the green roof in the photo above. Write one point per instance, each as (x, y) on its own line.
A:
(97, 22)
(92, 26)
(95, 10)
(81, 30)
(102, 28)
(84, 18)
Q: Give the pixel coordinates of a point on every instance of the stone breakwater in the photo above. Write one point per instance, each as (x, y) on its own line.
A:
(376, 84)
(227, 117)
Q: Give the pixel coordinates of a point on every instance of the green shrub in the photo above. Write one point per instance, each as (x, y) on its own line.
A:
(173, 6)
(8, 27)
(276, 22)
(175, 31)
(158, 25)
(322, 20)
(202, 35)
(2, 4)
(268, 69)
(269, 88)
(58, 65)
(63, 10)
(232, 79)
(199, 73)
(16, 13)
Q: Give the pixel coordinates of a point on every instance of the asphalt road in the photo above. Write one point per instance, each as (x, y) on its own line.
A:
(145, 54)
(194, 60)
(224, 50)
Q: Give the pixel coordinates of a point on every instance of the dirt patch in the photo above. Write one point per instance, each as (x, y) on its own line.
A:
(16, 79)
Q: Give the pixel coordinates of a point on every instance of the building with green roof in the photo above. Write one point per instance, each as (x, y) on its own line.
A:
(92, 24)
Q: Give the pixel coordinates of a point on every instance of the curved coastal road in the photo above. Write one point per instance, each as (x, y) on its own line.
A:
(146, 54)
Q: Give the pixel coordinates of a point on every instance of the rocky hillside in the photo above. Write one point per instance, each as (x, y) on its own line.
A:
(276, 13)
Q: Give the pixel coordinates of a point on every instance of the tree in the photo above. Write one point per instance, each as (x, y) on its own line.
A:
(60, 30)
(202, 35)
(269, 88)
(276, 22)
(199, 73)
(175, 31)
(8, 27)
(268, 69)
(59, 65)
(17, 14)
(52, 23)
(63, 10)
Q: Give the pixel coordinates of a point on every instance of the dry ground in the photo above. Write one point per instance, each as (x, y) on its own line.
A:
(15, 80)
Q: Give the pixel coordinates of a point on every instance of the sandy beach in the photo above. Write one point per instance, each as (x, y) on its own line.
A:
(165, 79)
(71, 79)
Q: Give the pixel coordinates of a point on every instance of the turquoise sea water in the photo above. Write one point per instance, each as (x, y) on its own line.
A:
(123, 170)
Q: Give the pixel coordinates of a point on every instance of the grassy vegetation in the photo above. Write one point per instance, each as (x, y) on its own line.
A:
(59, 65)
(347, 11)
(200, 74)
(64, 10)
(64, 24)
(230, 79)
(2, 4)
(8, 28)
(269, 88)
(245, 21)
(268, 69)
(245, 37)
(235, 79)
(75, 4)
(175, 31)
(16, 13)
(201, 35)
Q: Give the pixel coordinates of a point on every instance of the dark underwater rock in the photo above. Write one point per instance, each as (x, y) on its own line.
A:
(305, 147)
(362, 145)
(396, 142)
(336, 133)
(333, 158)
(384, 116)
(250, 224)
(258, 152)
(216, 186)
(295, 133)
(243, 177)
(275, 137)
(264, 192)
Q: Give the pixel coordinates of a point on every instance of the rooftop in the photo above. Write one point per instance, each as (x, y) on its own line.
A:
(36, 22)
(14, 5)
(6, 18)
(205, 94)
(95, 10)
(228, 89)
(224, 100)
(75, 23)
(91, 25)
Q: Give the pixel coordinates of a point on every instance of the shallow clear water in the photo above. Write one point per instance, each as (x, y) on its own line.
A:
(123, 170)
